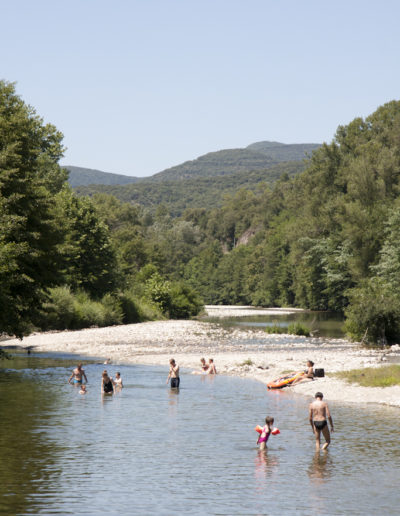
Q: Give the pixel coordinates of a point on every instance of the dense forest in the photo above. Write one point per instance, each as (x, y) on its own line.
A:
(326, 238)
(198, 192)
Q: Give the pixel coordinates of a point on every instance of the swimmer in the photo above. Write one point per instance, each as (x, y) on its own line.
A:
(118, 381)
(77, 375)
(211, 368)
(107, 384)
(265, 433)
(204, 366)
(307, 374)
(173, 374)
(83, 390)
(318, 416)
(107, 361)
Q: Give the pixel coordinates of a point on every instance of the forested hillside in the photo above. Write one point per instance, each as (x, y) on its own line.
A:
(80, 176)
(199, 192)
(60, 263)
(258, 156)
(327, 238)
(285, 152)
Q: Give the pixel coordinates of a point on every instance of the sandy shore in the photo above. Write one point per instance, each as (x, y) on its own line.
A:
(239, 352)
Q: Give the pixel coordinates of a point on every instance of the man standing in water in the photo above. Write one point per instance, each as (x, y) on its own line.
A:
(319, 416)
(173, 374)
(78, 374)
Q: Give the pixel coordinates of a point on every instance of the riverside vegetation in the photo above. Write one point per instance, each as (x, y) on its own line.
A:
(323, 238)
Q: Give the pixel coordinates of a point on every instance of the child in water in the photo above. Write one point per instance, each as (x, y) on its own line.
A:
(265, 432)
(83, 390)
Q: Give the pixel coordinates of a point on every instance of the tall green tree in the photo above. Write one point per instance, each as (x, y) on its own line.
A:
(29, 237)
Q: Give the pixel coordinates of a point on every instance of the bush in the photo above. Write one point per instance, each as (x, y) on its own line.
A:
(112, 310)
(87, 312)
(275, 328)
(58, 313)
(184, 302)
(374, 313)
(130, 308)
(298, 329)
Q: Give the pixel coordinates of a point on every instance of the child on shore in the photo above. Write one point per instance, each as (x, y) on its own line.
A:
(265, 432)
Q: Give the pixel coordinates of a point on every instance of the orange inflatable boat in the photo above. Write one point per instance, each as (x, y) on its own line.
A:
(283, 381)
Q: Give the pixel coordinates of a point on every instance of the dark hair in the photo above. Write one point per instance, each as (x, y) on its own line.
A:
(319, 395)
(311, 362)
(269, 420)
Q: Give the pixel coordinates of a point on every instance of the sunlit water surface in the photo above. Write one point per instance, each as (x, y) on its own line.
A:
(150, 450)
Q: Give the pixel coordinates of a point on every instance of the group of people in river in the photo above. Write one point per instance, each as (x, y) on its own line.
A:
(173, 374)
(109, 385)
(319, 414)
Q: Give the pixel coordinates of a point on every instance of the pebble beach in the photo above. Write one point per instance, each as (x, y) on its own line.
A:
(236, 351)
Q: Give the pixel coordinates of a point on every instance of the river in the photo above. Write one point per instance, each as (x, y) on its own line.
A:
(150, 450)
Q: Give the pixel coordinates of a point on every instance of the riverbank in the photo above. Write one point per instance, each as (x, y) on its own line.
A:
(246, 353)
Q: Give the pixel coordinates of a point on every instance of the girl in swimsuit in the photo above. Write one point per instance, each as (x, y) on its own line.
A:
(118, 381)
(107, 384)
(266, 432)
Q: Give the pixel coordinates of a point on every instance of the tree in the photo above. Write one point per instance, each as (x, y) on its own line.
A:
(88, 258)
(29, 177)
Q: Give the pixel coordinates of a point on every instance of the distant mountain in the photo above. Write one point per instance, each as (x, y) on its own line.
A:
(196, 192)
(257, 156)
(79, 176)
(284, 152)
(220, 163)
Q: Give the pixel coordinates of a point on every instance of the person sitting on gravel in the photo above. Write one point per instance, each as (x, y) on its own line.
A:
(308, 373)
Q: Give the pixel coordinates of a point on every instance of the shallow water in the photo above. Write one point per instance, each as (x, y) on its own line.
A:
(150, 450)
(322, 324)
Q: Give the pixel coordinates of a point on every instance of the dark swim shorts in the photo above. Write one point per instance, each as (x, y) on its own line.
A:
(319, 425)
(175, 383)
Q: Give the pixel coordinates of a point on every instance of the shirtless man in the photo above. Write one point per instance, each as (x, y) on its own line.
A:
(173, 374)
(77, 374)
(319, 416)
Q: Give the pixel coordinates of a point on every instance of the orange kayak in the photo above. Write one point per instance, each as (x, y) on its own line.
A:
(283, 381)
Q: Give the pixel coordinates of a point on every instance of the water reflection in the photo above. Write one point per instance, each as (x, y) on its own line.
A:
(29, 462)
(265, 464)
(320, 468)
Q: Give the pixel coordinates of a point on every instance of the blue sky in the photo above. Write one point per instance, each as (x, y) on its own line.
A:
(137, 86)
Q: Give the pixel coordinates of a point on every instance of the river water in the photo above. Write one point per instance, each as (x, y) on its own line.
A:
(150, 450)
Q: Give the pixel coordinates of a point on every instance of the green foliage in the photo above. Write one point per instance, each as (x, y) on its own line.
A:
(29, 178)
(192, 193)
(158, 290)
(66, 310)
(298, 329)
(88, 256)
(247, 362)
(374, 313)
(285, 152)
(373, 376)
(276, 329)
(184, 302)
